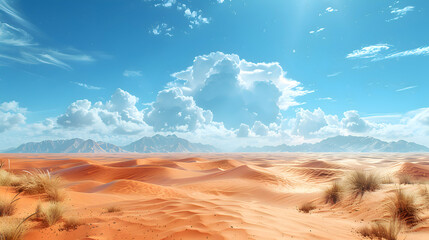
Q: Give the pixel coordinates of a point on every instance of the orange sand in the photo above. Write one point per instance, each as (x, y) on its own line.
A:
(213, 196)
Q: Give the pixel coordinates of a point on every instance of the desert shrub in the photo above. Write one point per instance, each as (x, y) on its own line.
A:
(8, 205)
(71, 223)
(9, 179)
(306, 207)
(13, 229)
(333, 193)
(378, 230)
(403, 207)
(405, 179)
(360, 182)
(40, 182)
(113, 209)
(386, 180)
(50, 213)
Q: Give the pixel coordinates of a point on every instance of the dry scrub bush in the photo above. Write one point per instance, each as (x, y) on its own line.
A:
(403, 207)
(113, 209)
(9, 179)
(50, 213)
(378, 230)
(386, 180)
(40, 182)
(306, 207)
(11, 229)
(360, 182)
(405, 179)
(333, 193)
(8, 205)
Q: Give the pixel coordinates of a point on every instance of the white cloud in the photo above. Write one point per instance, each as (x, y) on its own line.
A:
(354, 123)
(84, 85)
(118, 115)
(243, 131)
(173, 111)
(195, 17)
(414, 52)
(220, 1)
(317, 31)
(260, 129)
(331, 10)
(10, 35)
(309, 124)
(238, 91)
(333, 74)
(166, 3)
(162, 29)
(11, 115)
(400, 12)
(21, 48)
(368, 51)
(405, 88)
(132, 73)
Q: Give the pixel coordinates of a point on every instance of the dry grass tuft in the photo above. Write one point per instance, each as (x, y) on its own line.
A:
(403, 207)
(360, 182)
(333, 193)
(378, 230)
(11, 229)
(8, 205)
(9, 179)
(72, 223)
(43, 182)
(306, 207)
(405, 179)
(113, 209)
(50, 213)
(386, 180)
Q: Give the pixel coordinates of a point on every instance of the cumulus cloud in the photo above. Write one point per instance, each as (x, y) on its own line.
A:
(237, 91)
(195, 17)
(119, 115)
(310, 123)
(368, 51)
(354, 123)
(173, 111)
(243, 131)
(11, 115)
(260, 129)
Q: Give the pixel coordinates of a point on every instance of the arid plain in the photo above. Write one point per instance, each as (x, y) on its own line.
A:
(219, 196)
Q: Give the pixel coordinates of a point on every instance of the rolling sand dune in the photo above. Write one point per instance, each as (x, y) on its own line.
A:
(215, 196)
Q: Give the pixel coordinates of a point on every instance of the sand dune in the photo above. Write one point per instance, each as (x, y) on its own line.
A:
(215, 196)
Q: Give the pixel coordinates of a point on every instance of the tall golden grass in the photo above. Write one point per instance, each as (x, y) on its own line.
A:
(8, 205)
(333, 193)
(382, 230)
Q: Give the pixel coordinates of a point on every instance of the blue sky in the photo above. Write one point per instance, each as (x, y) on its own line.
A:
(228, 73)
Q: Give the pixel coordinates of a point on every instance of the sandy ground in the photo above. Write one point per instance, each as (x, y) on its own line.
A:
(215, 196)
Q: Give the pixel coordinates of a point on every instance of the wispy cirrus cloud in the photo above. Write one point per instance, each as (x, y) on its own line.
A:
(132, 73)
(413, 52)
(317, 31)
(368, 51)
(89, 87)
(400, 12)
(405, 88)
(20, 46)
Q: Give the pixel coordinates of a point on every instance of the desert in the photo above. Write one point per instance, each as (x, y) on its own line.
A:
(219, 195)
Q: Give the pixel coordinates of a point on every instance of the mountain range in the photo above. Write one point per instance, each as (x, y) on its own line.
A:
(157, 143)
(172, 143)
(344, 144)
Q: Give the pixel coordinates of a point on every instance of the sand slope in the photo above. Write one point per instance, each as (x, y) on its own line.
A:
(214, 196)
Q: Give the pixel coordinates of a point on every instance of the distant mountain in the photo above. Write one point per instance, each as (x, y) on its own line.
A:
(165, 144)
(75, 145)
(344, 144)
(157, 143)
